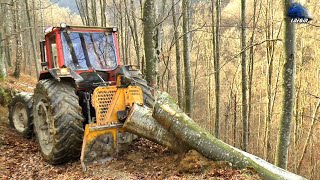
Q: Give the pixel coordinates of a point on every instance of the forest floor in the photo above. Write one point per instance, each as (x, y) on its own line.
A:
(20, 158)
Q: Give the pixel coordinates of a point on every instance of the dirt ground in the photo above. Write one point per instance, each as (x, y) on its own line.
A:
(20, 158)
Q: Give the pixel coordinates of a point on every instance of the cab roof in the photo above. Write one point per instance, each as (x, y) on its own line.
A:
(50, 30)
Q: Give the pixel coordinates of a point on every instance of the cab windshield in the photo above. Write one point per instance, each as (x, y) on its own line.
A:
(84, 50)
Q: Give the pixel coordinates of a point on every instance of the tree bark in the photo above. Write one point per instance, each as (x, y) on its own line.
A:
(135, 34)
(171, 117)
(141, 123)
(235, 120)
(281, 159)
(244, 77)
(3, 71)
(187, 58)
(103, 13)
(6, 43)
(18, 39)
(251, 63)
(133, 29)
(34, 48)
(216, 46)
(149, 44)
(178, 56)
(94, 13)
(270, 61)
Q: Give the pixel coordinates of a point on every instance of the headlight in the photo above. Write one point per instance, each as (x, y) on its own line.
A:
(63, 25)
(64, 71)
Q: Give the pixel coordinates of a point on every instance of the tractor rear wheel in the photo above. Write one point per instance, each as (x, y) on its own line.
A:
(58, 122)
(137, 78)
(20, 114)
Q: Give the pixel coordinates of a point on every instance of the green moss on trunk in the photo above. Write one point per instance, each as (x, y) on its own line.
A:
(170, 116)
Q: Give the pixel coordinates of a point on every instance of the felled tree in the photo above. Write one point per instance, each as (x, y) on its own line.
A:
(171, 127)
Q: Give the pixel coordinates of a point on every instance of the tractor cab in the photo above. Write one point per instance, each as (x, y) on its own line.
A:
(91, 52)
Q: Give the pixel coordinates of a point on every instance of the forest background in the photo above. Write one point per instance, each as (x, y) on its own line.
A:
(214, 30)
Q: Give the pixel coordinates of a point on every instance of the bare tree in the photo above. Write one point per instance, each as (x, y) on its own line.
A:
(18, 39)
(34, 48)
(270, 60)
(149, 44)
(244, 77)
(187, 58)
(88, 12)
(178, 57)
(216, 51)
(6, 16)
(3, 71)
(255, 17)
(103, 18)
(133, 28)
(281, 159)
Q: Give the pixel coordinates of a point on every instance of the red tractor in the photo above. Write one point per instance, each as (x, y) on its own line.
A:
(82, 88)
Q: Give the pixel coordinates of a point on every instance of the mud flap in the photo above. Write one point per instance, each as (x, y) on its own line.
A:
(99, 143)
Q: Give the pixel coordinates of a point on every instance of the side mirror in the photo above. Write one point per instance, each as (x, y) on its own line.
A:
(43, 64)
(42, 52)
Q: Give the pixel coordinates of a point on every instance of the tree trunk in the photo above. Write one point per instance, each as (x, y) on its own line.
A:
(235, 120)
(270, 59)
(3, 72)
(178, 57)
(187, 58)
(94, 13)
(103, 21)
(244, 77)
(34, 48)
(171, 117)
(122, 52)
(18, 40)
(288, 89)
(6, 43)
(216, 46)
(149, 44)
(133, 29)
(135, 34)
(158, 37)
(141, 123)
(251, 63)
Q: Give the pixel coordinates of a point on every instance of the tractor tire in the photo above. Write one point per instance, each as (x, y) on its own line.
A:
(148, 97)
(58, 121)
(20, 114)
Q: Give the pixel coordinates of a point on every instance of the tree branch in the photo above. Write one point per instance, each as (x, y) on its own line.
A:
(243, 50)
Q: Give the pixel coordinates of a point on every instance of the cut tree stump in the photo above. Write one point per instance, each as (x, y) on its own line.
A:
(172, 118)
(141, 123)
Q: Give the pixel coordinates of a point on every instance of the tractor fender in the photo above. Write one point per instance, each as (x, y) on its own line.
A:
(61, 74)
(129, 71)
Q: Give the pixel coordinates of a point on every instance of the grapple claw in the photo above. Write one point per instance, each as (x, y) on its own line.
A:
(99, 143)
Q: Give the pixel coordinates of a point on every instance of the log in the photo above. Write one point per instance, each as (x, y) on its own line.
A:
(141, 123)
(171, 117)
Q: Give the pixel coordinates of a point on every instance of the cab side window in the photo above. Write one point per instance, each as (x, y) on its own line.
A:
(53, 51)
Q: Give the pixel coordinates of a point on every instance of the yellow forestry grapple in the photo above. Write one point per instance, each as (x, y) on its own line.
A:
(82, 98)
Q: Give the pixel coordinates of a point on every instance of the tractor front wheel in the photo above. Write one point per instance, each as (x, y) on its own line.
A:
(57, 121)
